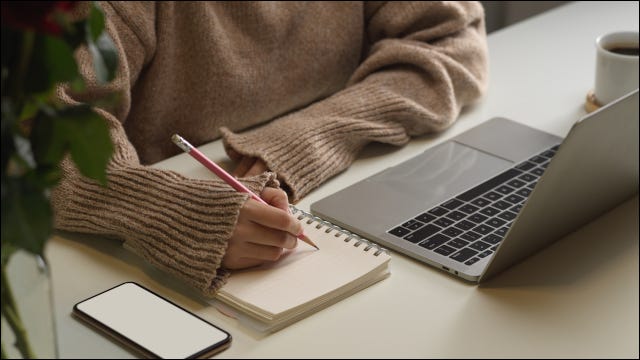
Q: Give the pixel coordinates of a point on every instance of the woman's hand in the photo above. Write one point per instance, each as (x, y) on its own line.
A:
(247, 166)
(263, 232)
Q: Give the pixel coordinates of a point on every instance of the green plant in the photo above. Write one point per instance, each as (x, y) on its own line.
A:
(39, 42)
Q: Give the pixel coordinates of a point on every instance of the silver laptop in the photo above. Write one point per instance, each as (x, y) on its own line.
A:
(488, 198)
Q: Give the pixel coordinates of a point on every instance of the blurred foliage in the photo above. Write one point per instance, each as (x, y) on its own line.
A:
(39, 40)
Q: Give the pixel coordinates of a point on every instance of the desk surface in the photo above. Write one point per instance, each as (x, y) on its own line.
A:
(577, 298)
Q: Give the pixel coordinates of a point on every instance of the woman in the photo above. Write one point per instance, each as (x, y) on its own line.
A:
(294, 88)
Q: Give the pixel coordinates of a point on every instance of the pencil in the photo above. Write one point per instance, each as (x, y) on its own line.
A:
(222, 174)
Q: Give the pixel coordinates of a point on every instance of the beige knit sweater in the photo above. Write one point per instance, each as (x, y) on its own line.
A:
(304, 86)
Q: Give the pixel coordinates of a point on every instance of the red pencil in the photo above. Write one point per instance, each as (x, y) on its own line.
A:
(222, 174)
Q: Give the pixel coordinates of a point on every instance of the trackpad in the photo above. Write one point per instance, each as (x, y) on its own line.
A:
(440, 173)
(373, 205)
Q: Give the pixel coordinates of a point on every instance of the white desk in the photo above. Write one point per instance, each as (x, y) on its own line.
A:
(562, 302)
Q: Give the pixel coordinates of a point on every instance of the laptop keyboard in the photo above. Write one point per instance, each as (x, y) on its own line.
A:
(470, 226)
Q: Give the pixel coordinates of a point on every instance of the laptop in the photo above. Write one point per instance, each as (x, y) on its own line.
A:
(495, 194)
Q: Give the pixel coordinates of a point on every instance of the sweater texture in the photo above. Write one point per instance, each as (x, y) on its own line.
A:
(304, 86)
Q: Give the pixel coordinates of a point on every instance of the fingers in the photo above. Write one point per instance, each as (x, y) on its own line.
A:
(249, 231)
(243, 167)
(258, 168)
(276, 197)
(271, 217)
(233, 155)
(243, 254)
(249, 166)
(263, 232)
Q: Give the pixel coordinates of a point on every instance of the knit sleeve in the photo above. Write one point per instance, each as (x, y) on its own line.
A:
(424, 61)
(178, 224)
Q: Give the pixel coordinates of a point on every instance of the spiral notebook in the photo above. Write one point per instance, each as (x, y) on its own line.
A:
(305, 280)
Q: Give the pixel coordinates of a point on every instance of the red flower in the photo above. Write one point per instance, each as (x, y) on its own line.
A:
(35, 15)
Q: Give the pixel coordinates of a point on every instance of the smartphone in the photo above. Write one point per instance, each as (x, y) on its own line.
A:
(150, 324)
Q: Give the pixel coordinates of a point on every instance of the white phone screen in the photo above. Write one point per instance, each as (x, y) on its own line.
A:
(154, 325)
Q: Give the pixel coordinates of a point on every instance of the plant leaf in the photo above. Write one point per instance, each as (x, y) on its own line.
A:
(101, 47)
(8, 122)
(26, 216)
(95, 22)
(48, 142)
(52, 62)
(7, 251)
(88, 138)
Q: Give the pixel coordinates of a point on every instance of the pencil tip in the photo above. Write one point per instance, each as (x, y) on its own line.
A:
(306, 239)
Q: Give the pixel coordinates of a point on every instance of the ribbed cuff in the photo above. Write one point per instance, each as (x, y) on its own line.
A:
(308, 147)
(179, 225)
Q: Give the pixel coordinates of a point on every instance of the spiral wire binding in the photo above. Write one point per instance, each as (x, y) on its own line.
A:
(339, 231)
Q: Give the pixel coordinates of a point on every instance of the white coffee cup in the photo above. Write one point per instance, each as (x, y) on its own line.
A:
(616, 65)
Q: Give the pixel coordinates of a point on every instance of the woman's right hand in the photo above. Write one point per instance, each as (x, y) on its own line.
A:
(263, 232)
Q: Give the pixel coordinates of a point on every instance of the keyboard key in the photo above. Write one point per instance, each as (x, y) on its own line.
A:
(425, 218)
(538, 159)
(485, 253)
(502, 231)
(517, 208)
(452, 204)
(470, 236)
(483, 229)
(434, 241)
(549, 154)
(528, 177)
(452, 231)
(422, 233)
(477, 218)
(444, 222)
(481, 202)
(489, 211)
(502, 205)
(455, 215)
(492, 239)
(525, 166)
(495, 222)
(480, 245)
(469, 209)
(464, 225)
(489, 185)
(472, 261)
(438, 211)
(399, 231)
(463, 255)
(412, 224)
(508, 215)
(524, 192)
(445, 250)
(514, 199)
(458, 243)
(505, 190)
(492, 195)
(537, 171)
(515, 183)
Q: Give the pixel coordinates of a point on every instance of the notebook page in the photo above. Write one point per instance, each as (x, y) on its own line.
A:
(304, 274)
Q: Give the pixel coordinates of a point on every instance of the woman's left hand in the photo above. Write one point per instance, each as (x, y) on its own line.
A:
(247, 166)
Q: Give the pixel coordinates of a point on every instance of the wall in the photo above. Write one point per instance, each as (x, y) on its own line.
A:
(499, 14)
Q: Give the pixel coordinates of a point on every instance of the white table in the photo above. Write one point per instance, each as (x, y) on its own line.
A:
(577, 298)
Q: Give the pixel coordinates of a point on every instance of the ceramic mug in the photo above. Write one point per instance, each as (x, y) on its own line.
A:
(616, 65)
